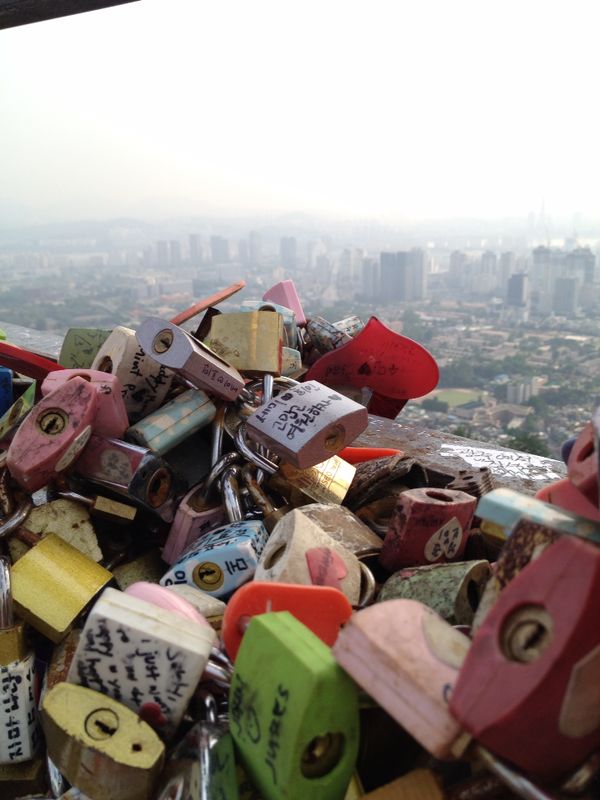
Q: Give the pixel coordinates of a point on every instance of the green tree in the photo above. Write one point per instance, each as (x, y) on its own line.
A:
(463, 430)
(528, 443)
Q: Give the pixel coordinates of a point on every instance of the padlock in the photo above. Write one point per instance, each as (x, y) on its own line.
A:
(20, 735)
(527, 541)
(139, 653)
(146, 567)
(52, 437)
(533, 665)
(163, 598)
(407, 658)
(250, 342)
(477, 481)
(270, 514)
(131, 471)
(324, 335)
(299, 551)
(229, 484)
(286, 295)
(211, 608)
(53, 583)
(60, 661)
(352, 325)
(79, 347)
(103, 507)
(202, 766)
(420, 784)
(26, 779)
(567, 496)
(173, 422)
(101, 746)
(144, 382)
(452, 590)
(503, 508)
(326, 482)
(291, 363)
(6, 389)
(291, 336)
(582, 465)
(428, 526)
(172, 347)
(306, 424)
(110, 418)
(14, 416)
(322, 609)
(344, 527)
(196, 514)
(292, 743)
(221, 560)
(66, 519)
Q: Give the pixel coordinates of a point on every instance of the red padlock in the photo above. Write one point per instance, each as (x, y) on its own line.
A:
(322, 609)
(529, 689)
(428, 526)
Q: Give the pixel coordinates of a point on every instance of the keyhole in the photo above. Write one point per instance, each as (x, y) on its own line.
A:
(101, 724)
(159, 486)
(526, 634)
(334, 439)
(162, 341)
(106, 365)
(53, 421)
(321, 755)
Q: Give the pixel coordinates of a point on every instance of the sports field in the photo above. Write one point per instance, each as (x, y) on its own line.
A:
(455, 397)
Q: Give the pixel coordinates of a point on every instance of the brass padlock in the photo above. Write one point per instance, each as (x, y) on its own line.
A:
(53, 583)
(250, 341)
(101, 746)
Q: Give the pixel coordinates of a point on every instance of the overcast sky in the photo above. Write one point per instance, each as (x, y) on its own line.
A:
(395, 108)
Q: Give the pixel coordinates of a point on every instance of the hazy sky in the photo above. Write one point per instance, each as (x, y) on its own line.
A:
(395, 108)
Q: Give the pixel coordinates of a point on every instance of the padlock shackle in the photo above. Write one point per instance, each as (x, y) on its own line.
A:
(10, 525)
(262, 462)
(7, 619)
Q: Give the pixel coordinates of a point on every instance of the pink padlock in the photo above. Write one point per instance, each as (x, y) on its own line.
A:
(195, 516)
(582, 466)
(284, 293)
(111, 414)
(53, 435)
(153, 593)
(428, 526)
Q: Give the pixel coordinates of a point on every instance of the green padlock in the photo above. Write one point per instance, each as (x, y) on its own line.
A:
(293, 712)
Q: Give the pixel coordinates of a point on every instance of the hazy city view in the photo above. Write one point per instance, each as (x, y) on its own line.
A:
(432, 164)
(512, 318)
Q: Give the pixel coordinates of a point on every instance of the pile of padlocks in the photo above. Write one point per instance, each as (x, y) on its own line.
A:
(209, 594)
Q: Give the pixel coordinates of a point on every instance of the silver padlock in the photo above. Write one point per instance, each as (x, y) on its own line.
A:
(307, 423)
(202, 766)
(172, 347)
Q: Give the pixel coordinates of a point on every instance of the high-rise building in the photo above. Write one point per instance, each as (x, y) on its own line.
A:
(288, 254)
(506, 268)
(175, 253)
(419, 268)
(162, 254)
(219, 249)
(566, 296)
(370, 278)
(581, 263)
(457, 269)
(517, 290)
(195, 251)
(403, 276)
(254, 249)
